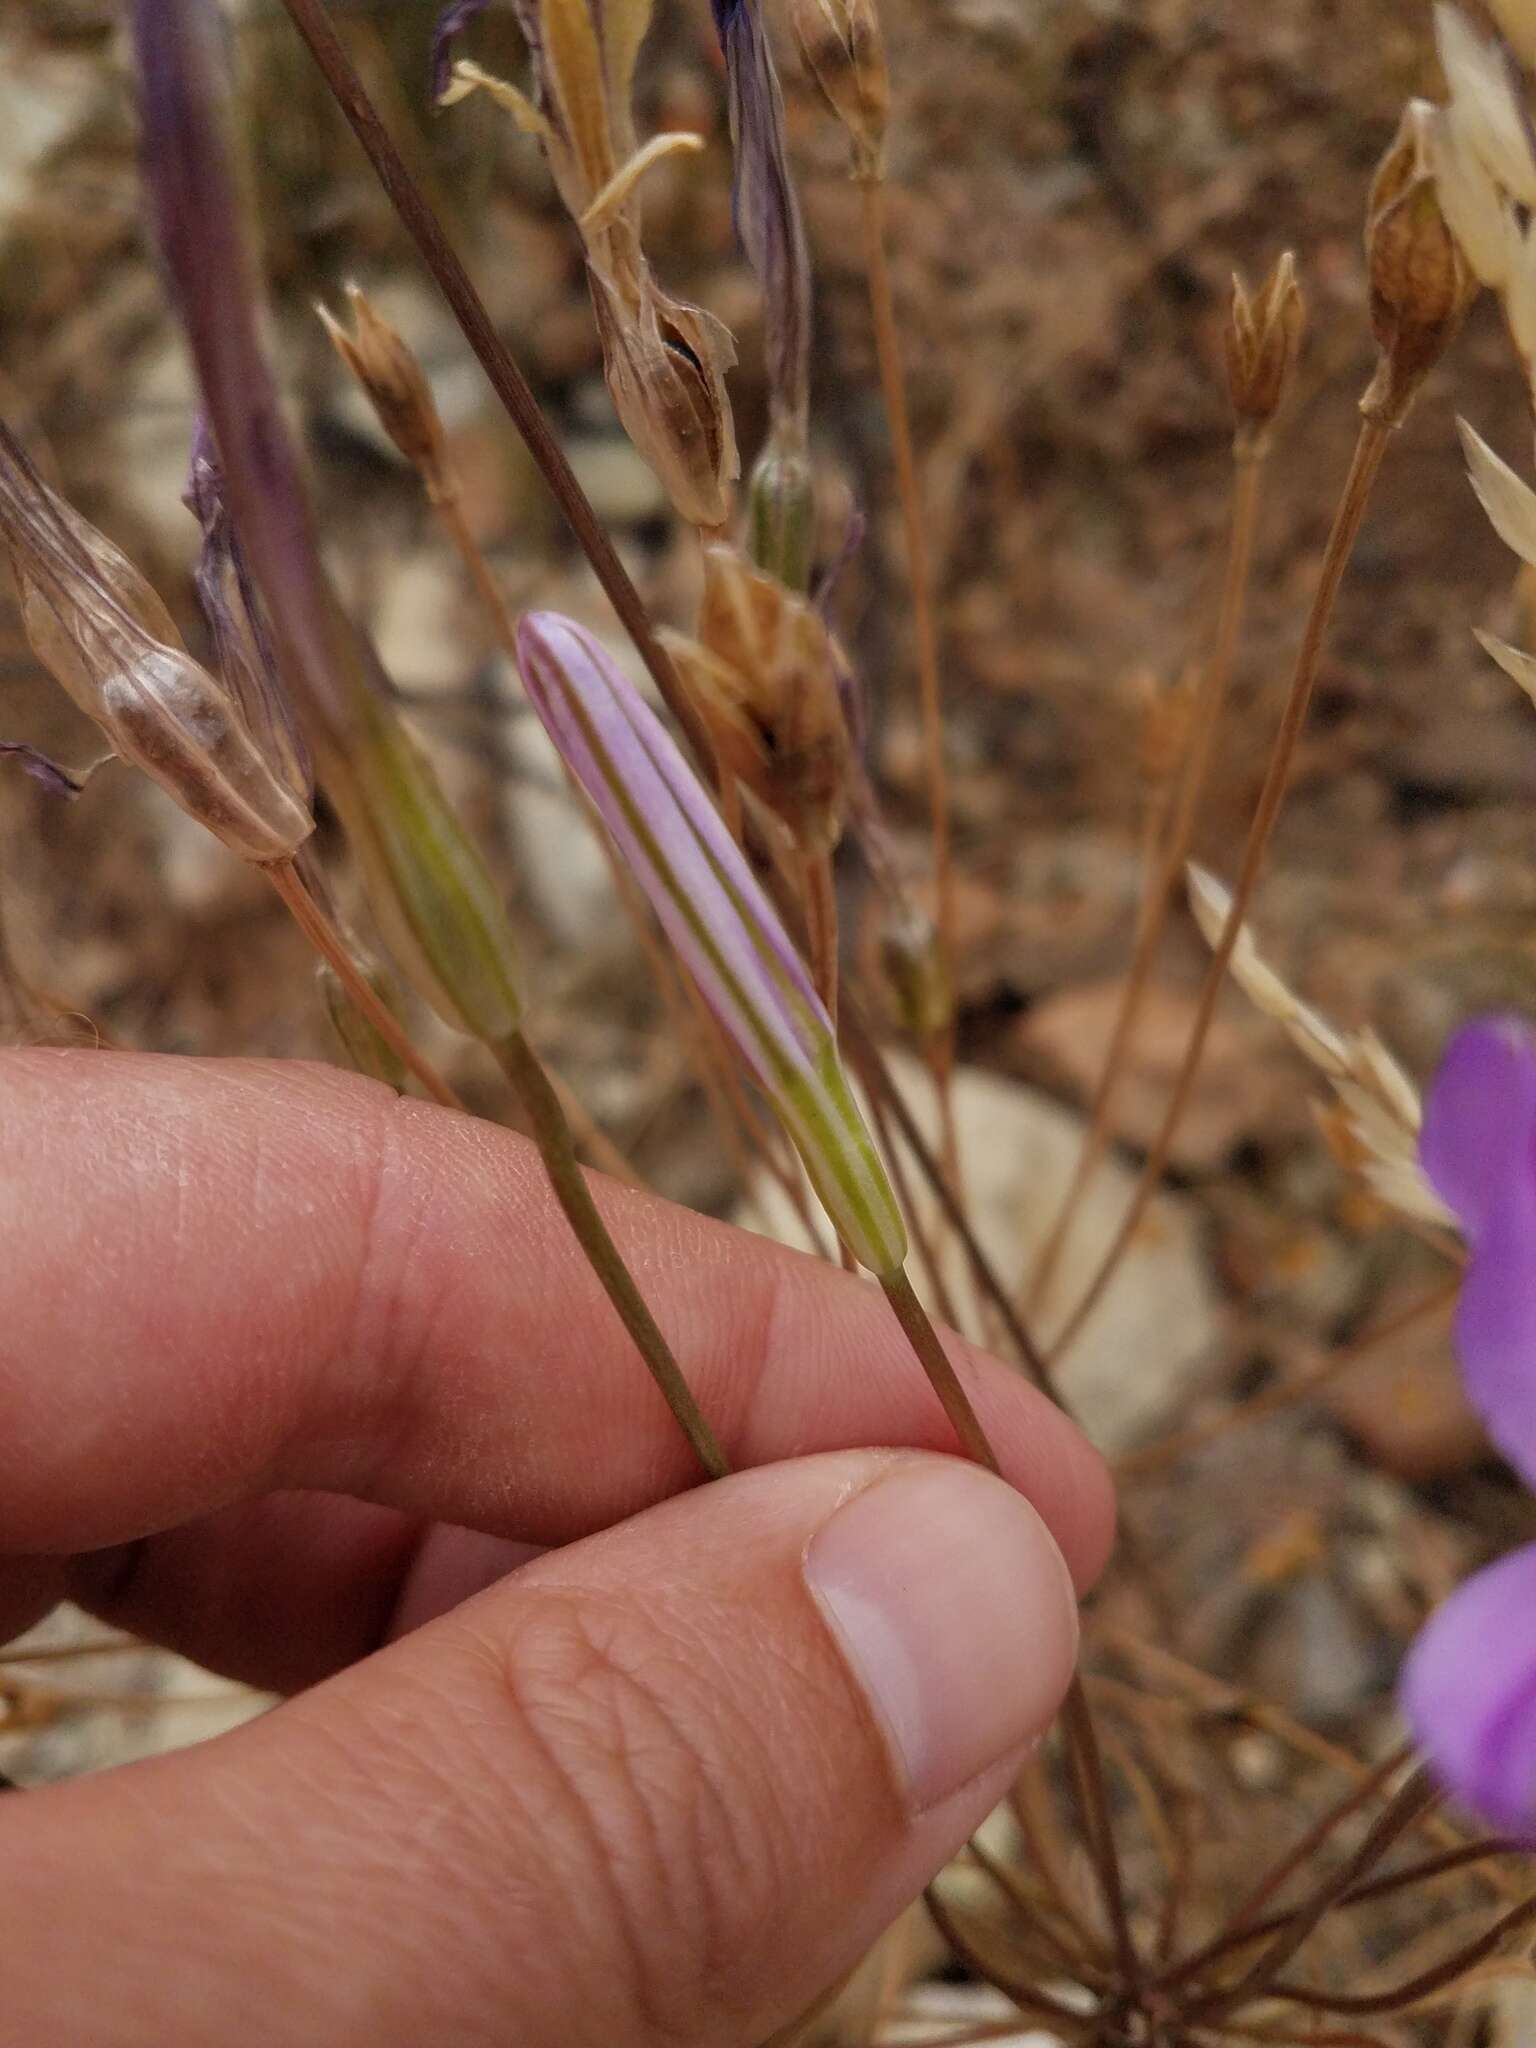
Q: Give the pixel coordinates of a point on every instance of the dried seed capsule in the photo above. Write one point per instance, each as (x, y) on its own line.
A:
(100, 630)
(1421, 284)
(1263, 339)
(763, 672)
(844, 51)
(396, 386)
(665, 366)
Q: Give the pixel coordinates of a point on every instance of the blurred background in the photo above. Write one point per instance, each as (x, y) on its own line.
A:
(1072, 185)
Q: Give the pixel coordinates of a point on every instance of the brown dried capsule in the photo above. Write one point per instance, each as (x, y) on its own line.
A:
(1421, 284)
(763, 672)
(1263, 340)
(844, 51)
(396, 386)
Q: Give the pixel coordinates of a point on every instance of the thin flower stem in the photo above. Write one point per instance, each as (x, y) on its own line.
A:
(322, 934)
(1370, 447)
(313, 23)
(1027, 1996)
(893, 388)
(1406, 1807)
(922, 1237)
(552, 1134)
(1205, 723)
(1417, 1989)
(935, 1361)
(1238, 1929)
(1014, 1889)
(1168, 1450)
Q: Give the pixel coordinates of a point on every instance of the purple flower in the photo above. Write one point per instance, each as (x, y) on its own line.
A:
(1469, 1691)
(1469, 1687)
(722, 925)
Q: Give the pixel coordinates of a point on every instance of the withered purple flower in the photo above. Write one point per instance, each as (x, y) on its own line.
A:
(1469, 1688)
(766, 210)
(55, 778)
(451, 24)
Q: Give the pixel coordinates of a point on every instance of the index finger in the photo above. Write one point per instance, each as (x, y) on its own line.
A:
(222, 1277)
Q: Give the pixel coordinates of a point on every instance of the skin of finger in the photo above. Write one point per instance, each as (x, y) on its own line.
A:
(631, 1794)
(228, 1277)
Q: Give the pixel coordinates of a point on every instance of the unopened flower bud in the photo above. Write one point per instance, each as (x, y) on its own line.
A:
(1421, 284)
(764, 676)
(781, 500)
(914, 964)
(844, 52)
(396, 386)
(722, 925)
(1263, 338)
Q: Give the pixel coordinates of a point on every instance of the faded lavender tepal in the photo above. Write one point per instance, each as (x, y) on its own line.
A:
(722, 925)
(1469, 1689)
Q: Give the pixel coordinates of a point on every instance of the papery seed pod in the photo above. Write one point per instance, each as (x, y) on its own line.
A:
(915, 967)
(781, 504)
(396, 386)
(101, 631)
(724, 929)
(763, 673)
(1263, 338)
(844, 51)
(665, 367)
(1421, 284)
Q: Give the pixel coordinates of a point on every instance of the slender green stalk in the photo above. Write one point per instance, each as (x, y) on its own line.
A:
(1370, 447)
(934, 1360)
(557, 1147)
(322, 934)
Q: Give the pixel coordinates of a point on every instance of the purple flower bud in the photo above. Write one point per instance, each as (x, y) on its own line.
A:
(1469, 1692)
(1478, 1148)
(718, 918)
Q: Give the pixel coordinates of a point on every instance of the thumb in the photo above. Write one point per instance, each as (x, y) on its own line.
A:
(662, 1786)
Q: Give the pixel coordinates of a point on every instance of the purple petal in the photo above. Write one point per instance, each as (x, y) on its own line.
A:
(1479, 1150)
(1480, 1118)
(1469, 1692)
(451, 23)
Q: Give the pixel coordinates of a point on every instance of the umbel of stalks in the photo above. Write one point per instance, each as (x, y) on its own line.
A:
(1263, 340)
(763, 673)
(100, 630)
(843, 49)
(1420, 282)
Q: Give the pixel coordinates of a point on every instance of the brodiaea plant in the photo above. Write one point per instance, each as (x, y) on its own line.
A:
(1141, 1891)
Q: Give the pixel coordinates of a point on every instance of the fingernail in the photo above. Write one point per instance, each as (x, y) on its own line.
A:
(955, 1614)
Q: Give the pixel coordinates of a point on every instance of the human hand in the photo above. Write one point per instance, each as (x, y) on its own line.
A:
(295, 1375)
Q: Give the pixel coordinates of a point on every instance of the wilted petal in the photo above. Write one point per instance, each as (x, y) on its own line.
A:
(717, 916)
(1479, 1150)
(764, 203)
(1469, 1692)
(56, 779)
(451, 23)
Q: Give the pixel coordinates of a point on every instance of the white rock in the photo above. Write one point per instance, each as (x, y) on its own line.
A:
(1157, 1321)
